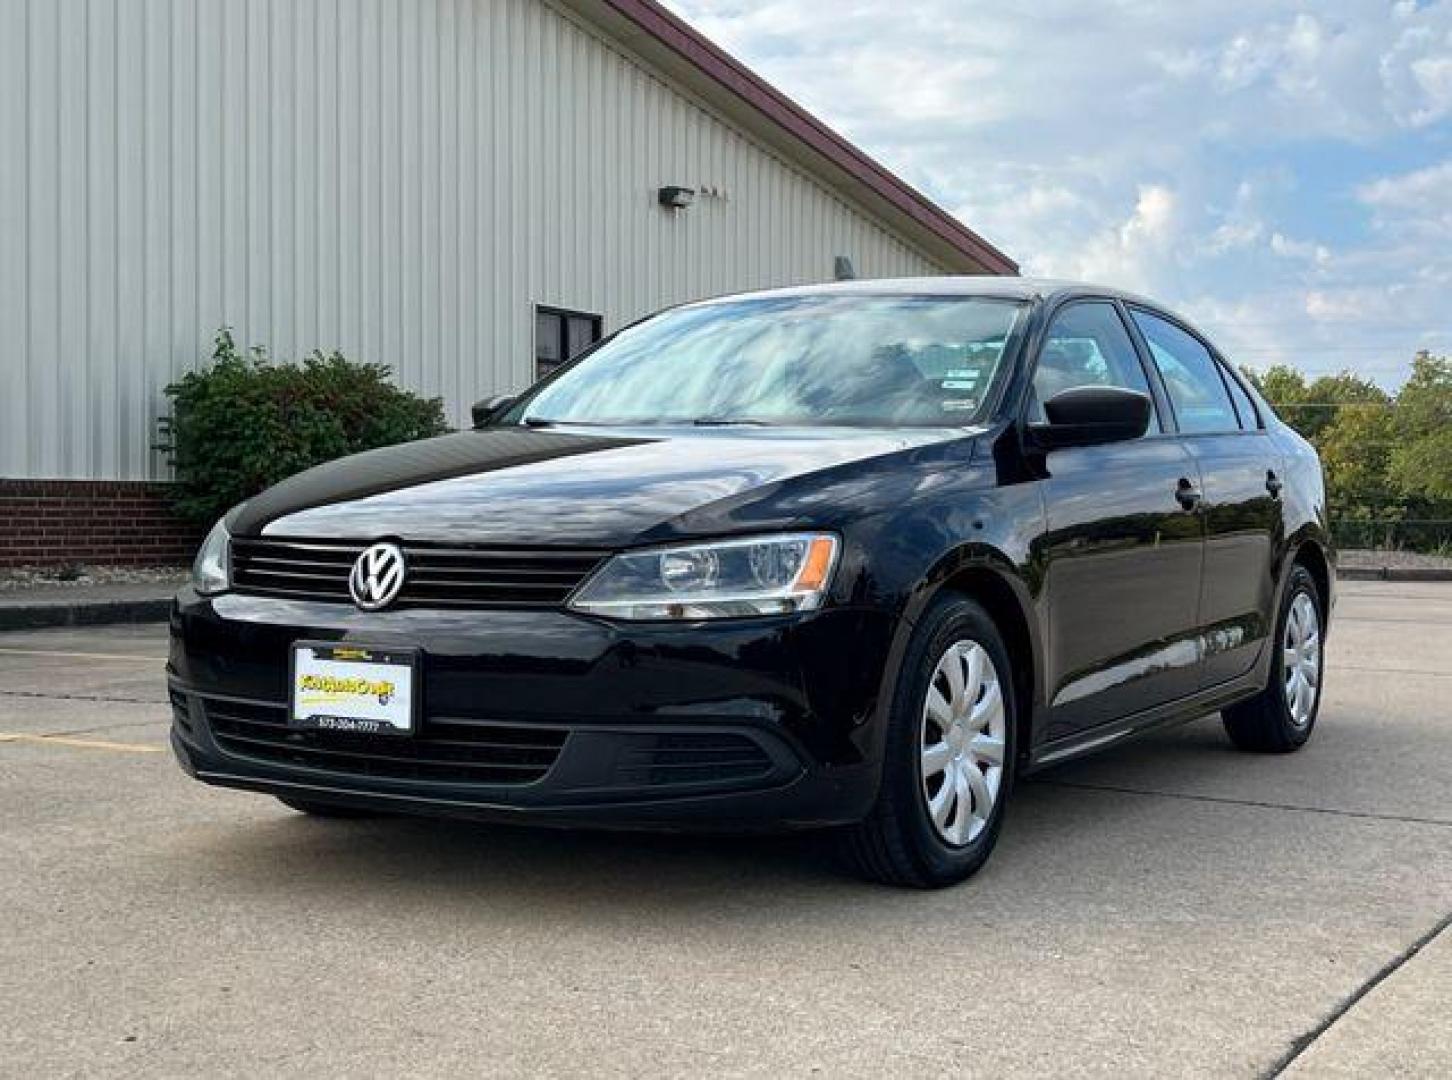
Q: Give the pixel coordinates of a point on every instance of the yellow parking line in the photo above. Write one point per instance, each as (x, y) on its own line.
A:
(82, 744)
(82, 655)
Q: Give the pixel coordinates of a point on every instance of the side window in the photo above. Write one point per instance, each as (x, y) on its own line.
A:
(1192, 378)
(1244, 408)
(1087, 345)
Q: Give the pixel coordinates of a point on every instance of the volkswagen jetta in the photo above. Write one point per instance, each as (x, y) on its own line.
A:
(852, 556)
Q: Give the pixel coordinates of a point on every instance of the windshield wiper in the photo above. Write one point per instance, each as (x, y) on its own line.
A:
(541, 421)
(707, 421)
(726, 421)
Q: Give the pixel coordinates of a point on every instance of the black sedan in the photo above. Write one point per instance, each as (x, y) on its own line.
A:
(853, 556)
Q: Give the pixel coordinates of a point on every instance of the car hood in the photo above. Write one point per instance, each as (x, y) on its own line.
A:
(568, 487)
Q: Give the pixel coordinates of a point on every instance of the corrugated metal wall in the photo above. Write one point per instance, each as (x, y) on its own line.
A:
(401, 179)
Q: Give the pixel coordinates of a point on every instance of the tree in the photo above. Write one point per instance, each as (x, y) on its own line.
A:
(1356, 450)
(244, 423)
(1313, 407)
(1421, 462)
(1280, 385)
(1388, 460)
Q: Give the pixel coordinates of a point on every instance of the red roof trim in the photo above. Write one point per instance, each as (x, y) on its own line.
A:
(713, 62)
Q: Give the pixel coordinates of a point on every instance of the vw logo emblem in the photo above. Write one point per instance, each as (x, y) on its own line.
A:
(377, 577)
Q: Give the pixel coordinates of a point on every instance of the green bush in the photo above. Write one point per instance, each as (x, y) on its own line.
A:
(245, 423)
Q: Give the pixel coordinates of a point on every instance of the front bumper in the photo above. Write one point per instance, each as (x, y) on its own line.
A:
(549, 717)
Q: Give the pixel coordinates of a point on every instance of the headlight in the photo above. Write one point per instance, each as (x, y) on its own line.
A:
(765, 575)
(209, 571)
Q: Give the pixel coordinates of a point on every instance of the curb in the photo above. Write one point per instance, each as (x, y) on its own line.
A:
(52, 613)
(1394, 573)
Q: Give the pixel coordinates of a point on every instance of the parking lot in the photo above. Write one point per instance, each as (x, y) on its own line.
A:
(1171, 908)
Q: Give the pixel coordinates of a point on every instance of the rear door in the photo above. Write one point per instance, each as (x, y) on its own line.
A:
(1240, 472)
(1122, 551)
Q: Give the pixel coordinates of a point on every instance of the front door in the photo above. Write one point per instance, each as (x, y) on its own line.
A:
(1124, 543)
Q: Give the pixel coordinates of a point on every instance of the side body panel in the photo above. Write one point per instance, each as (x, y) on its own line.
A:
(1244, 534)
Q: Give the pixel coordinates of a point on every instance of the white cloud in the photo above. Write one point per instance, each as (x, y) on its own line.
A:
(1137, 251)
(1236, 236)
(1288, 57)
(1338, 305)
(1416, 75)
(1287, 248)
(1421, 192)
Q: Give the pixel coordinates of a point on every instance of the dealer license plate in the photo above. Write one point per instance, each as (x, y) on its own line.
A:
(353, 688)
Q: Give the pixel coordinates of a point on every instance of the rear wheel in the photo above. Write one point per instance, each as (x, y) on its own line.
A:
(1281, 717)
(324, 810)
(948, 765)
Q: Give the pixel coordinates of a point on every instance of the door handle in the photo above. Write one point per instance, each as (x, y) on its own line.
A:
(1187, 494)
(1273, 484)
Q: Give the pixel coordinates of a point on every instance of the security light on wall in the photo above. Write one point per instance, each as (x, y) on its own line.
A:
(676, 198)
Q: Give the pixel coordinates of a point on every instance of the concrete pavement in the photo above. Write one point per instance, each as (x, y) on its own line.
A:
(1171, 908)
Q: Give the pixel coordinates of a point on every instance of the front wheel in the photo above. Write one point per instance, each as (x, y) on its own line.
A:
(1281, 717)
(948, 763)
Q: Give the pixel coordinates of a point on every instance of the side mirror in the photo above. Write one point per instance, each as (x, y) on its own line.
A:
(1090, 415)
(485, 412)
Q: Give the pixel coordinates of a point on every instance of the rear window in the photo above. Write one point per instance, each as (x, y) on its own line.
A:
(1191, 375)
(1244, 407)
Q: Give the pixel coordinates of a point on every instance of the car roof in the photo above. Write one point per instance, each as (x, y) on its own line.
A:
(1011, 288)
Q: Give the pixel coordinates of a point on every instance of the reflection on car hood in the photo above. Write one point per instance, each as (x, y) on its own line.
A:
(575, 486)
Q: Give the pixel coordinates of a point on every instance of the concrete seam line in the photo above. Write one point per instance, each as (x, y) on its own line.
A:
(1438, 597)
(1343, 619)
(82, 697)
(81, 655)
(1397, 671)
(1223, 800)
(1304, 1042)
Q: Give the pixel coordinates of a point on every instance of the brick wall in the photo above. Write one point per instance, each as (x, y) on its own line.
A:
(105, 522)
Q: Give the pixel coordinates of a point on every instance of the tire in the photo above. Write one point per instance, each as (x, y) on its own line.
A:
(324, 810)
(1281, 717)
(900, 842)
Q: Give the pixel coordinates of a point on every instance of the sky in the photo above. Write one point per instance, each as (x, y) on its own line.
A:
(1278, 172)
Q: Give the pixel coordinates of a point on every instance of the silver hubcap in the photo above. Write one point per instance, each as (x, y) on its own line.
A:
(1301, 659)
(963, 739)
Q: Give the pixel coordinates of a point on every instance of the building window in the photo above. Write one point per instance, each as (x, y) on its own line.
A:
(561, 335)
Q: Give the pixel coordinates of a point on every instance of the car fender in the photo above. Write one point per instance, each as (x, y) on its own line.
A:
(1309, 534)
(1009, 584)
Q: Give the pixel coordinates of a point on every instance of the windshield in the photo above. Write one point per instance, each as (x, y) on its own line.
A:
(804, 360)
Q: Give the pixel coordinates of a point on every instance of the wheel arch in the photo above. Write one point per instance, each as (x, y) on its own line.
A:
(1307, 547)
(990, 578)
(1312, 555)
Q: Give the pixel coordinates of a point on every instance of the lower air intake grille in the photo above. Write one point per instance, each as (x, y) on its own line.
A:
(181, 710)
(706, 757)
(446, 751)
(437, 577)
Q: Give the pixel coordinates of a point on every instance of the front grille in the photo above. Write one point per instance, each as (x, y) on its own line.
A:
(687, 757)
(445, 750)
(438, 577)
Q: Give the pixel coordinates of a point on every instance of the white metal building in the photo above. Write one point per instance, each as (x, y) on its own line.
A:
(416, 182)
